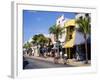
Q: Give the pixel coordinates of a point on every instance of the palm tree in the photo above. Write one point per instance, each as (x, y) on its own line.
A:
(56, 30)
(85, 28)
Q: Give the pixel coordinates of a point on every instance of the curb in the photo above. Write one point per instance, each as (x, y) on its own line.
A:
(71, 62)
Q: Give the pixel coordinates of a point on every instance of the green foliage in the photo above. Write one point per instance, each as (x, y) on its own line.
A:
(56, 30)
(40, 39)
(27, 45)
(84, 24)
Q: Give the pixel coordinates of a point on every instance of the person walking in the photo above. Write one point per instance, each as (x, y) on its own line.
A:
(56, 56)
(65, 58)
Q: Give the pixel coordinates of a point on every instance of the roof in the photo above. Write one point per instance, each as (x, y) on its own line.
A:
(70, 22)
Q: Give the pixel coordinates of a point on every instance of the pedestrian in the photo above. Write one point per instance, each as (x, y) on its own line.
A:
(77, 54)
(45, 51)
(49, 51)
(65, 58)
(33, 51)
(60, 51)
(30, 51)
(56, 56)
(40, 51)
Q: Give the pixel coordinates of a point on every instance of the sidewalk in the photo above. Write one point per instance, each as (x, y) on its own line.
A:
(70, 61)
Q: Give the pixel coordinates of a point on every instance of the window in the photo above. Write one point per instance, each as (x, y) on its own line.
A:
(59, 22)
(70, 36)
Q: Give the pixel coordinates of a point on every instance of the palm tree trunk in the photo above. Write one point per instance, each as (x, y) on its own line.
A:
(86, 52)
(57, 43)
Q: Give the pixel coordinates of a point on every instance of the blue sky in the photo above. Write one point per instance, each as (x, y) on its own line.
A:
(36, 22)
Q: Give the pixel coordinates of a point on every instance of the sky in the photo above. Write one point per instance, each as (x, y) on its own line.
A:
(37, 22)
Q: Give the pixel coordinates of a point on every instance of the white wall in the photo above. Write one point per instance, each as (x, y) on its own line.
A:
(79, 38)
(5, 39)
(61, 21)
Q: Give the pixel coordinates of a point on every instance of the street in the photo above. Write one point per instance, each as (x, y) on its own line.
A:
(38, 64)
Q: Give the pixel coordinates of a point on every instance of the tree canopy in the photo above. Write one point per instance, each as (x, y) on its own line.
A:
(56, 30)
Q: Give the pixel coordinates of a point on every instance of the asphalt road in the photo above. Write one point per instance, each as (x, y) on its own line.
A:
(38, 64)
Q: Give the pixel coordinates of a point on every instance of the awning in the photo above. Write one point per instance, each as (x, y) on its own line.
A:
(79, 38)
(70, 43)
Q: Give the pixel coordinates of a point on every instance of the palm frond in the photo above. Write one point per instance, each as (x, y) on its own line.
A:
(84, 24)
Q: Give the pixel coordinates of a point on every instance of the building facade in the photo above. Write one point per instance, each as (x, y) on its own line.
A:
(75, 42)
(72, 39)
